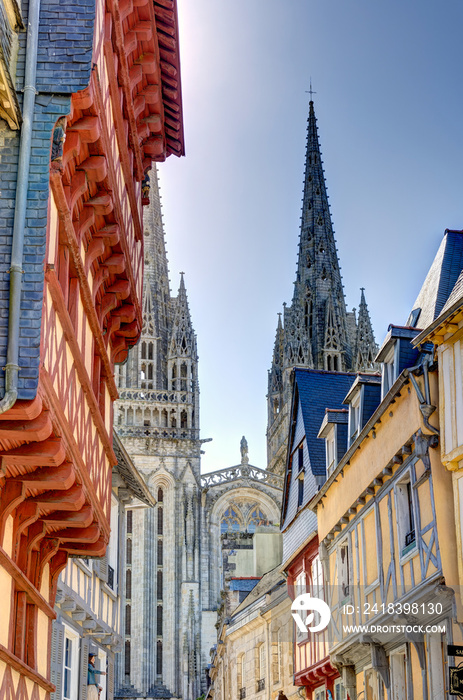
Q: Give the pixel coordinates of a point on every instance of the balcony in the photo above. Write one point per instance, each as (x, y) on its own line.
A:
(260, 685)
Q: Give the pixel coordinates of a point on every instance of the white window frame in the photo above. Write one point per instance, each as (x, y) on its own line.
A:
(339, 692)
(398, 664)
(389, 369)
(320, 693)
(355, 411)
(331, 449)
(405, 515)
(316, 578)
(73, 637)
(101, 680)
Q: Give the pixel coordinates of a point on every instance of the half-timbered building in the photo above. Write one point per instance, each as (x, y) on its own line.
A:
(93, 595)
(386, 531)
(306, 471)
(97, 99)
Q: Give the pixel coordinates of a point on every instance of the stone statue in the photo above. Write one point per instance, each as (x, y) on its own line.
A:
(244, 450)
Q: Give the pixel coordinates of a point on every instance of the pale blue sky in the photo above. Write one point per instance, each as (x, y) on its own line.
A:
(389, 104)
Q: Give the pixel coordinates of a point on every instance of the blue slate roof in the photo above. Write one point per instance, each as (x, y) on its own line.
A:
(319, 390)
(243, 584)
(441, 279)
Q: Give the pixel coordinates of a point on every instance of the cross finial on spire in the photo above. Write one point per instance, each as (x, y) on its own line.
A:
(311, 92)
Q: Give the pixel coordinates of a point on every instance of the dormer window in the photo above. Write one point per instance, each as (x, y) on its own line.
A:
(389, 372)
(330, 443)
(354, 418)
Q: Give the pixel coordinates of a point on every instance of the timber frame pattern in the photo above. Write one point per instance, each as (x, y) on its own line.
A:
(56, 454)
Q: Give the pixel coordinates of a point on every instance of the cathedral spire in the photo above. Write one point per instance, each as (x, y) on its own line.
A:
(318, 312)
(183, 337)
(365, 346)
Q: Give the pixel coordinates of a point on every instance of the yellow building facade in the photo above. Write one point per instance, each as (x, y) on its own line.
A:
(388, 543)
(254, 654)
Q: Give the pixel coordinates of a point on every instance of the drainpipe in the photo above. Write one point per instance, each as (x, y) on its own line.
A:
(16, 266)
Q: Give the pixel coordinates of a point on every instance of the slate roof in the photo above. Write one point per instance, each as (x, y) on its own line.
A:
(267, 583)
(441, 278)
(456, 294)
(319, 390)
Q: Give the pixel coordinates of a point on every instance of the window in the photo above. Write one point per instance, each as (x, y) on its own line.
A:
(240, 679)
(159, 657)
(300, 458)
(405, 515)
(388, 372)
(129, 522)
(374, 688)
(159, 586)
(160, 521)
(160, 495)
(330, 444)
(339, 691)
(398, 666)
(261, 667)
(128, 555)
(317, 578)
(436, 665)
(354, 418)
(319, 693)
(128, 620)
(128, 584)
(159, 621)
(127, 659)
(68, 672)
(160, 553)
(300, 490)
(344, 571)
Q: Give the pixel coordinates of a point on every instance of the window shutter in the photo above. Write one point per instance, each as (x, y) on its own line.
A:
(83, 668)
(110, 679)
(103, 568)
(56, 660)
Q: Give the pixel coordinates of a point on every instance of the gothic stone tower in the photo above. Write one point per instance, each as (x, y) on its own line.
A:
(157, 418)
(317, 331)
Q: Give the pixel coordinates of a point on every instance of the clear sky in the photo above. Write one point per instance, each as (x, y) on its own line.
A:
(389, 104)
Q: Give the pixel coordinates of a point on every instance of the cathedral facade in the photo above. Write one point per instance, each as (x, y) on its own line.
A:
(317, 331)
(180, 555)
(192, 559)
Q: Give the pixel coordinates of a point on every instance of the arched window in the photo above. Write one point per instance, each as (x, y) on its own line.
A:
(231, 521)
(129, 522)
(128, 583)
(257, 518)
(128, 555)
(160, 552)
(159, 657)
(159, 591)
(160, 521)
(159, 621)
(160, 495)
(143, 351)
(128, 619)
(127, 658)
(183, 419)
(150, 351)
